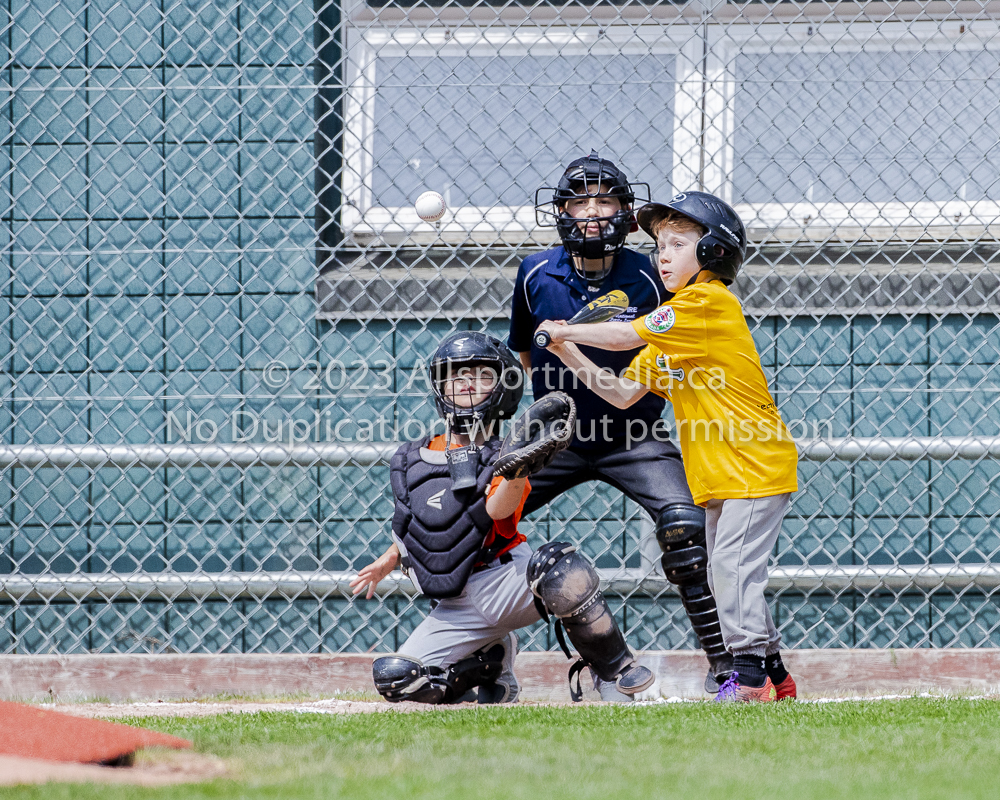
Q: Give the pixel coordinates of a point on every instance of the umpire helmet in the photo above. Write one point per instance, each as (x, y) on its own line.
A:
(724, 246)
(590, 176)
(468, 348)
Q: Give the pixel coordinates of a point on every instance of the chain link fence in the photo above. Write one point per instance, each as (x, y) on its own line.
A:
(217, 298)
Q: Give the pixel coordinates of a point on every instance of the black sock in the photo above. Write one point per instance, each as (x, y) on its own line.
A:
(775, 668)
(751, 670)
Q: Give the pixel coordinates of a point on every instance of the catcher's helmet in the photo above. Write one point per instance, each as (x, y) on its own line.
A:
(467, 348)
(590, 176)
(724, 246)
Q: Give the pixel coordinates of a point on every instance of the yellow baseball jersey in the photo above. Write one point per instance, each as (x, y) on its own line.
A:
(701, 357)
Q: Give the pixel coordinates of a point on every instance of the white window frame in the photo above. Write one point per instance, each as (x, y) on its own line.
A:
(701, 157)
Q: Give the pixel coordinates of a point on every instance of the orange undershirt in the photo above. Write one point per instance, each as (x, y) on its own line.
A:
(502, 528)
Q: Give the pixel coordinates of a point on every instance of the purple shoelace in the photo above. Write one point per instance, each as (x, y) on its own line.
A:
(728, 689)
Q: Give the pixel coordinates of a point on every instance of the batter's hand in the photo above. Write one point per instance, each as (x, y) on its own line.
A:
(376, 571)
(553, 327)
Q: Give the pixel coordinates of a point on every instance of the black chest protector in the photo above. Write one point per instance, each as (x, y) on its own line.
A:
(441, 532)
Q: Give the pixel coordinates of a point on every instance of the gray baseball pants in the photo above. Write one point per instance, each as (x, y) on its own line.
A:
(495, 602)
(741, 534)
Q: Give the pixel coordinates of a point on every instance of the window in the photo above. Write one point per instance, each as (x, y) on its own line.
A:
(487, 122)
(890, 127)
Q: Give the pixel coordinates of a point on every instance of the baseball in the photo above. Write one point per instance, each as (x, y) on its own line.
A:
(430, 206)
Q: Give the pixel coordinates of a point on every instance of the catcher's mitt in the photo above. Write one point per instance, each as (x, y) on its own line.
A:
(544, 429)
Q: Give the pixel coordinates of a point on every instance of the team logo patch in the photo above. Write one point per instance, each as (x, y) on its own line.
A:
(661, 320)
(663, 366)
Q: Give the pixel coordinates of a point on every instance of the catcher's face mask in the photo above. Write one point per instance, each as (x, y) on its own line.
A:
(470, 385)
(477, 408)
(594, 203)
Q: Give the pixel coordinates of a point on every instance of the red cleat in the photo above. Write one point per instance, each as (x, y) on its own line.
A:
(732, 692)
(786, 689)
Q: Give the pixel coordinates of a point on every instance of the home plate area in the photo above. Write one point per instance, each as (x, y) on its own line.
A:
(60, 736)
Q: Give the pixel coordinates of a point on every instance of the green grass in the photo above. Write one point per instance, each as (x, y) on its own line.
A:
(916, 748)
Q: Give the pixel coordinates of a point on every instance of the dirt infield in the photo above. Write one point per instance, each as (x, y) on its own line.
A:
(28, 731)
(119, 710)
(334, 706)
(152, 768)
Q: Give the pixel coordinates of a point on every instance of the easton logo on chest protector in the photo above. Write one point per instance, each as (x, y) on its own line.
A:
(434, 501)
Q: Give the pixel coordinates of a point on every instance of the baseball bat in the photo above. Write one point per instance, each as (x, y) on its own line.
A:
(602, 309)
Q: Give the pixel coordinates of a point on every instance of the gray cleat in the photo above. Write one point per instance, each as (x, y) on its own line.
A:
(609, 692)
(719, 669)
(633, 679)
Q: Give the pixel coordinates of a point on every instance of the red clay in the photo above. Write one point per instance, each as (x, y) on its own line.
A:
(31, 732)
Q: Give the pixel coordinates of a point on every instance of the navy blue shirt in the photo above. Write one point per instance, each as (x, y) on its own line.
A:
(548, 287)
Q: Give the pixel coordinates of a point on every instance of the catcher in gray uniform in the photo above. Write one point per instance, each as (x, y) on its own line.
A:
(458, 499)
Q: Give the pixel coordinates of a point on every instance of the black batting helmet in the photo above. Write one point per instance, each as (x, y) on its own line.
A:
(469, 348)
(724, 246)
(590, 176)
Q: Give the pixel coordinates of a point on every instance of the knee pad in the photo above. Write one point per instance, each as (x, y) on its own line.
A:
(562, 579)
(680, 532)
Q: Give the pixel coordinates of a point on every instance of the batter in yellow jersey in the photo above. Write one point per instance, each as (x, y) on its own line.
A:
(739, 458)
(701, 357)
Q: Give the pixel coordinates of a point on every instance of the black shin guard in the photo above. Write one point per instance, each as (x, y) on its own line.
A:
(482, 668)
(680, 531)
(701, 610)
(399, 678)
(566, 585)
(598, 639)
